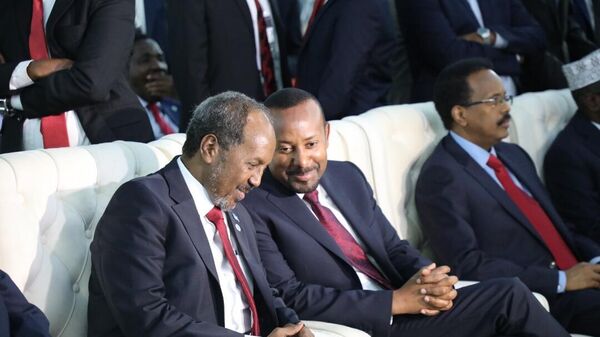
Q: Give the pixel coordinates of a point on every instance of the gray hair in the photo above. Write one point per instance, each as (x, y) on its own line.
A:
(223, 115)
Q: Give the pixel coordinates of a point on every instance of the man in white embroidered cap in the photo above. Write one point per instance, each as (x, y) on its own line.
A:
(572, 165)
(175, 255)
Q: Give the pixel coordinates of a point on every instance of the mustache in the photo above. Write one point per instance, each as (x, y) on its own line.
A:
(245, 188)
(292, 171)
(504, 119)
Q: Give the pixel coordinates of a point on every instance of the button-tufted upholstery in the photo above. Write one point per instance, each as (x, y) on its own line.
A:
(51, 200)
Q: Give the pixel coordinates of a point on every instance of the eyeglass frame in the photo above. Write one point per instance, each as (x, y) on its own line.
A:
(494, 101)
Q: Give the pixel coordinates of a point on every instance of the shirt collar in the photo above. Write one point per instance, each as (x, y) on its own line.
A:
(479, 154)
(197, 190)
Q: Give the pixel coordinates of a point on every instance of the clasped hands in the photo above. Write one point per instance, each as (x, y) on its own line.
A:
(428, 292)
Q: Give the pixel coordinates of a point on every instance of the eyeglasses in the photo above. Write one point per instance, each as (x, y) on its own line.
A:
(494, 101)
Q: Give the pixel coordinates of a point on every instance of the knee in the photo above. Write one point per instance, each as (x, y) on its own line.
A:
(512, 285)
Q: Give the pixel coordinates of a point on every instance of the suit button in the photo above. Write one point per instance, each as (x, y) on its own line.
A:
(552, 265)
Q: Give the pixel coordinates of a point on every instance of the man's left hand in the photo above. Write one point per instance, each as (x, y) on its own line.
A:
(305, 332)
(160, 84)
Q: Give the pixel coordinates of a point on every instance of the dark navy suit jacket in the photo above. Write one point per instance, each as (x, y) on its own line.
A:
(572, 173)
(153, 272)
(19, 318)
(434, 28)
(347, 57)
(304, 262)
(474, 227)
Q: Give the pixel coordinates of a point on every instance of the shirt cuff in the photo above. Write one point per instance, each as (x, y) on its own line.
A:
(19, 78)
(15, 102)
(500, 42)
(562, 282)
(595, 260)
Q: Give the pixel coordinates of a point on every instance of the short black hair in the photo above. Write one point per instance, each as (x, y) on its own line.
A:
(287, 98)
(225, 116)
(452, 88)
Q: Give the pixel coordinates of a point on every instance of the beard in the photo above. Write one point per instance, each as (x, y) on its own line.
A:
(226, 202)
(301, 187)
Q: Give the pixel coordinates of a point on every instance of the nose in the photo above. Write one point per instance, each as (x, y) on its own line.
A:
(256, 177)
(301, 157)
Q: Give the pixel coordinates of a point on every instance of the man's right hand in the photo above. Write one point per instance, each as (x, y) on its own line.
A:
(428, 292)
(39, 69)
(287, 331)
(583, 276)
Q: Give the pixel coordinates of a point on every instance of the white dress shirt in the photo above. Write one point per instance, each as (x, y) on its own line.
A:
(509, 84)
(324, 199)
(236, 310)
(32, 135)
(597, 125)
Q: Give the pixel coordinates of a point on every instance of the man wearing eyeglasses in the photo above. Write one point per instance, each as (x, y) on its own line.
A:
(485, 210)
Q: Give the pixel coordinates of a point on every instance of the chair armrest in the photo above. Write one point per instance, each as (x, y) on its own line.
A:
(323, 329)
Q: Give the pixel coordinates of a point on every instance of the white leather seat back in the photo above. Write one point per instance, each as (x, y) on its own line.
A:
(348, 142)
(50, 203)
(400, 138)
(537, 119)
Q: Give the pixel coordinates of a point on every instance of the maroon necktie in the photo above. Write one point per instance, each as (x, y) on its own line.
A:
(316, 6)
(216, 217)
(53, 128)
(353, 251)
(266, 58)
(563, 255)
(160, 120)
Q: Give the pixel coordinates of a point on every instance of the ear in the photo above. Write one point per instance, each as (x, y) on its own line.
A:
(209, 148)
(327, 133)
(459, 115)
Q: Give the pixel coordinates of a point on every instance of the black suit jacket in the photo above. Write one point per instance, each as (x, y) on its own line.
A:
(304, 262)
(565, 38)
(474, 226)
(97, 35)
(153, 272)
(434, 28)
(347, 60)
(212, 50)
(19, 318)
(572, 173)
(593, 33)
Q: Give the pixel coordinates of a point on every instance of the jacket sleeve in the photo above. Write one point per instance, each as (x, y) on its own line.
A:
(105, 46)
(25, 319)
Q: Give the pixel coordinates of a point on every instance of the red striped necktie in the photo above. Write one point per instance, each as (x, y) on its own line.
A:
(536, 215)
(216, 217)
(53, 128)
(351, 249)
(160, 120)
(266, 58)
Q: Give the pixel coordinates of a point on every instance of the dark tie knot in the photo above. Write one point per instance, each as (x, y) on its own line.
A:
(215, 215)
(312, 197)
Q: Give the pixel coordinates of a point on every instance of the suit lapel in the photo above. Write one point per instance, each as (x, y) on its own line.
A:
(188, 214)
(23, 11)
(539, 194)
(243, 7)
(488, 184)
(321, 12)
(239, 230)
(588, 132)
(469, 11)
(297, 211)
